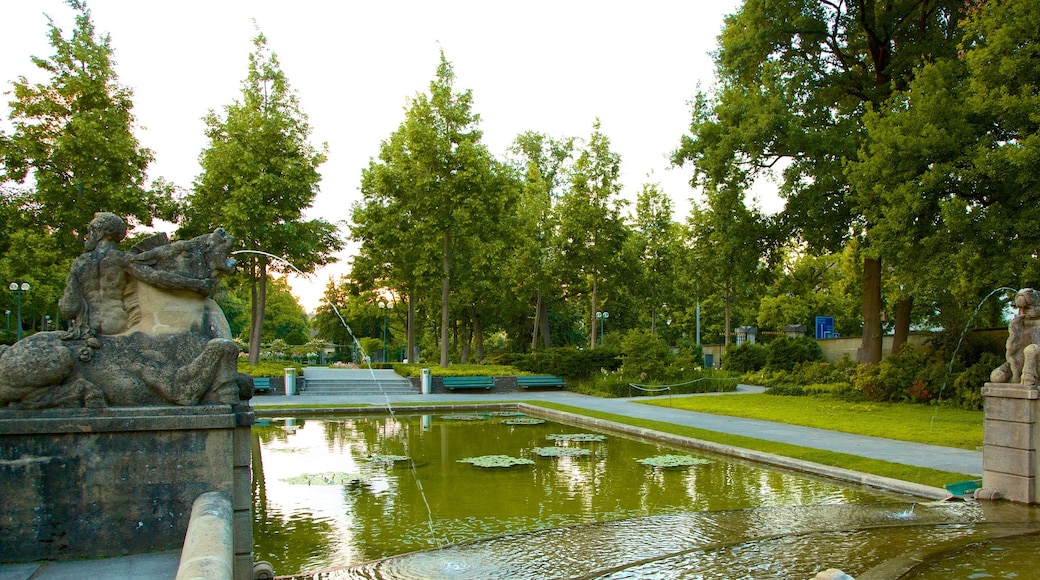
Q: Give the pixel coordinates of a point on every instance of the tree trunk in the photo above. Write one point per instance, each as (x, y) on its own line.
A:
(259, 299)
(467, 341)
(595, 322)
(410, 332)
(546, 337)
(870, 347)
(653, 321)
(902, 331)
(537, 320)
(478, 337)
(725, 294)
(445, 290)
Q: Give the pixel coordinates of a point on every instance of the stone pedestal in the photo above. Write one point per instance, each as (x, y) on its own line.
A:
(89, 483)
(1011, 452)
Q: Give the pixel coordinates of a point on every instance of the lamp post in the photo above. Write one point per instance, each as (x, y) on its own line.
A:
(18, 289)
(8, 313)
(46, 322)
(383, 307)
(601, 317)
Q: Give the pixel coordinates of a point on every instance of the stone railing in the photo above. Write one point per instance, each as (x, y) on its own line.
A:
(209, 545)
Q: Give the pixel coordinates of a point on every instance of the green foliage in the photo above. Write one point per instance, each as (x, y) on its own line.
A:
(568, 362)
(745, 358)
(259, 174)
(784, 352)
(267, 368)
(643, 355)
(967, 391)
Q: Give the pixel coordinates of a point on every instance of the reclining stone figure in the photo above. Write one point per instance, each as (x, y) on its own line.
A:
(143, 329)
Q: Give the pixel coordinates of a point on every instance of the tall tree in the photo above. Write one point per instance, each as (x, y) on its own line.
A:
(259, 174)
(950, 166)
(795, 79)
(728, 252)
(654, 240)
(73, 142)
(591, 231)
(434, 182)
(543, 161)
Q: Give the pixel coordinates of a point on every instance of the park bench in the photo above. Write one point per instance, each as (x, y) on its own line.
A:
(453, 383)
(261, 384)
(528, 381)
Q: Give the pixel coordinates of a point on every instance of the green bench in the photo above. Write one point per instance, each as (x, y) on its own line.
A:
(528, 381)
(261, 384)
(453, 383)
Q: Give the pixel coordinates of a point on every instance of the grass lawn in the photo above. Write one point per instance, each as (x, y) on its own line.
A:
(945, 426)
(921, 475)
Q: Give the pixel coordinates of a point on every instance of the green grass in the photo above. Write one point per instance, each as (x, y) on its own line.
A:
(932, 425)
(921, 475)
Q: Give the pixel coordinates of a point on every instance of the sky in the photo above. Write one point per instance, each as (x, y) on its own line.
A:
(552, 66)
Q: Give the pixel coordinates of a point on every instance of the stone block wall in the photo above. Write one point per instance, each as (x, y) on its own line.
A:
(1011, 446)
(88, 483)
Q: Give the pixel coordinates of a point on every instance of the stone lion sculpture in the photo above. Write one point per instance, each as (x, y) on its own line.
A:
(143, 330)
(1023, 343)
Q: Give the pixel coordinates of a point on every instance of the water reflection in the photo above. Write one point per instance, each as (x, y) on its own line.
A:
(383, 510)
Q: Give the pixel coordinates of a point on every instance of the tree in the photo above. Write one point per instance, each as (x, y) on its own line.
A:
(654, 240)
(434, 182)
(259, 174)
(949, 168)
(74, 140)
(795, 79)
(591, 232)
(728, 248)
(544, 163)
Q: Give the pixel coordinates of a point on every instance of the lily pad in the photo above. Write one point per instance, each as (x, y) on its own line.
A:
(386, 458)
(327, 478)
(496, 461)
(507, 414)
(665, 461)
(464, 417)
(561, 451)
(576, 437)
(524, 421)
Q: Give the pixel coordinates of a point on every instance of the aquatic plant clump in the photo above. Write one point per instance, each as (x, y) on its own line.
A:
(561, 451)
(464, 417)
(666, 461)
(524, 421)
(386, 458)
(507, 414)
(327, 478)
(576, 437)
(496, 461)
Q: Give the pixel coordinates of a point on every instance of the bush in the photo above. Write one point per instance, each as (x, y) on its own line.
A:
(644, 356)
(745, 358)
(967, 387)
(784, 353)
(568, 362)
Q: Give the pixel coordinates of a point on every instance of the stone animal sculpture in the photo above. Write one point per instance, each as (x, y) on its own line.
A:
(1023, 343)
(143, 329)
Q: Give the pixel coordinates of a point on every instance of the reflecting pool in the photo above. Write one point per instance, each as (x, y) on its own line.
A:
(328, 493)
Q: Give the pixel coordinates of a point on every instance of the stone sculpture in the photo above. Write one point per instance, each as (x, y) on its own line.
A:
(143, 329)
(1023, 343)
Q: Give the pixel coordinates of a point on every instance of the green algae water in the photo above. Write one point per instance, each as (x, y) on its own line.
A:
(326, 497)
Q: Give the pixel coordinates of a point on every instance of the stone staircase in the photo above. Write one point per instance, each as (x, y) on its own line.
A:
(320, 381)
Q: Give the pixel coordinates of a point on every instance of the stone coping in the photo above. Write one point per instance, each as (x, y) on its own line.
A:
(1010, 391)
(121, 419)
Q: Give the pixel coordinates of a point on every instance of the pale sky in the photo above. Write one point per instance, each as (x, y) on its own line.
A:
(551, 66)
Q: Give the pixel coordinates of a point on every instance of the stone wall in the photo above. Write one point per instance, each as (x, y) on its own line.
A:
(87, 483)
(1011, 445)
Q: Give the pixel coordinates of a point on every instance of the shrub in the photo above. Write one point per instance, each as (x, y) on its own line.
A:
(745, 358)
(967, 387)
(785, 352)
(643, 355)
(568, 362)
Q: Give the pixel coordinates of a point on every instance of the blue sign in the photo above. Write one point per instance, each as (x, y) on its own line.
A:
(825, 327)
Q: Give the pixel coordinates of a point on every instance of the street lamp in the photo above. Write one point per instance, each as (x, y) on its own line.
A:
(8, 313)
(18, 290)
(383, 307)
(601, 317)
(46, 322)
